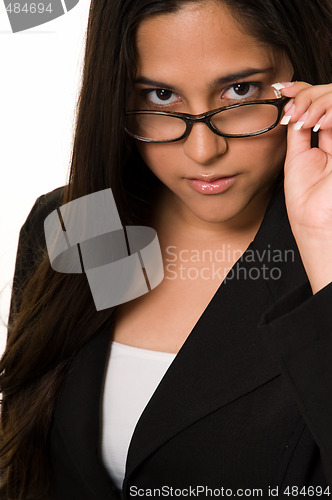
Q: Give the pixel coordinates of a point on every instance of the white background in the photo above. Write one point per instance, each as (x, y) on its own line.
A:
(40, 78)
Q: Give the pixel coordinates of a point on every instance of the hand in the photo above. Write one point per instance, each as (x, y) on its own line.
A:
(308, 177)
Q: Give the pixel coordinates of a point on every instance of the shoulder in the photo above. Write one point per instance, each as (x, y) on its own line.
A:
(33, 227)
(45, 204)
(53, 198)
(32, 238)
(32, 243)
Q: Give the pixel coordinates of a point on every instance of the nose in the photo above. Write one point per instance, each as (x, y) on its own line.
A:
(204, 146)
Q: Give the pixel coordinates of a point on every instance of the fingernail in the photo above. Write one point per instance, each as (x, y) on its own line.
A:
(277, 87)
(287, 84)
(285, 120)
(318, 124)
(299, 124)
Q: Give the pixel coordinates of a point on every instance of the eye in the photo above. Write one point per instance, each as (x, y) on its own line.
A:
(242, 90)
(160, 96)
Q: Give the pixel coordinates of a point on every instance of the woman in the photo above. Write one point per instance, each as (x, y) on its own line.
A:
(243, 408)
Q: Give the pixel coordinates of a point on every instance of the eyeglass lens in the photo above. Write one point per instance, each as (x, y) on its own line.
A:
(236, 121)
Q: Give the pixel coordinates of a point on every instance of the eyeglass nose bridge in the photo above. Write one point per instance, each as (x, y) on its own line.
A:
(204, 118)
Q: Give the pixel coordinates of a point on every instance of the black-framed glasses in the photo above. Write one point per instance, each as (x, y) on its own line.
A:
(237, 120)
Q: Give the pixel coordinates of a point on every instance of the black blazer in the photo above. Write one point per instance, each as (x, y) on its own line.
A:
(242, 406)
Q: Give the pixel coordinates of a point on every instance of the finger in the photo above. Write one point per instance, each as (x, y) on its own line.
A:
(294, 89)
(306, 98)
(291, 89)
(313, 116)
(319, 123)
(324, 122)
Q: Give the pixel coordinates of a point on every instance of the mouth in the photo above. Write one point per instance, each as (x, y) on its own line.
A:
(210, 178)
(211, 184)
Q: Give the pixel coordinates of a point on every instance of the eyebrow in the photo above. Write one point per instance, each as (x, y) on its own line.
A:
(222, 80)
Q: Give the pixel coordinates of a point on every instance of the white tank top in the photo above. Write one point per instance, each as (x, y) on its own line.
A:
(133, 375)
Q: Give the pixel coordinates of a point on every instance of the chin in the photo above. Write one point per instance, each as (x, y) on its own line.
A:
(218, 214)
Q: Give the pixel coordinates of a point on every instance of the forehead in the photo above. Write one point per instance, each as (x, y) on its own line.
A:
(201, 40)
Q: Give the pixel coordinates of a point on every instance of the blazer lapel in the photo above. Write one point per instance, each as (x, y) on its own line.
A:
(224, 356)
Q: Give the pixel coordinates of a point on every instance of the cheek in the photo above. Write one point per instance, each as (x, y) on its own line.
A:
(160, 158)
(269, 150)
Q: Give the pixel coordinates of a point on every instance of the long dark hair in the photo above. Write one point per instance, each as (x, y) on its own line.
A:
(48, 325)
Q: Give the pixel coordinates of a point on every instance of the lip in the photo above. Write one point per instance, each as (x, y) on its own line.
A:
(215, 184)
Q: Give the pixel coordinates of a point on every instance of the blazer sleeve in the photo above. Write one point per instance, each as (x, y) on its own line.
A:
(32, 243)
(298, 328)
